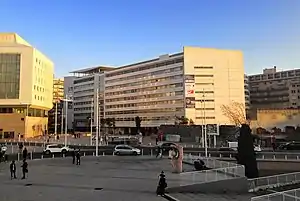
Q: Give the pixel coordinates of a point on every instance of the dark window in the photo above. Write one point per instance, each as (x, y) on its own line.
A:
(9, 76)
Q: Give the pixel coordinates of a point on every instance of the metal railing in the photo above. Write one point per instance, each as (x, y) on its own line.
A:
(262, 183)
(220, 170)
(290, 195)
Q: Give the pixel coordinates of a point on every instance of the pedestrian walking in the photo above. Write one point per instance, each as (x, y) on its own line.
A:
(73, 156)
(78, 157)
(162, 184)
(24, 168)
(13, 170)
(159, 152)
(25, 152)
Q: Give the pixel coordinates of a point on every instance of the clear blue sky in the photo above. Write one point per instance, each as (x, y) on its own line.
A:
(77, 34)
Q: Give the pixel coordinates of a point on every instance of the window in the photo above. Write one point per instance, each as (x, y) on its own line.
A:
(203, 67)
(9, 76)
(204, 75)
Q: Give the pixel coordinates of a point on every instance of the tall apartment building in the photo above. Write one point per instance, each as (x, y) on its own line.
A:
(68, 94)
(85, 87)
(273, 89)
(194, 83)
(26, 91)
(58, 96)
(247, 92)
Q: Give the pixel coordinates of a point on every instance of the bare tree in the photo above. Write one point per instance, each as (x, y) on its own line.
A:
(236, 113)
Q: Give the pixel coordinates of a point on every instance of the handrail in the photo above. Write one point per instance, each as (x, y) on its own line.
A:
(289, 194)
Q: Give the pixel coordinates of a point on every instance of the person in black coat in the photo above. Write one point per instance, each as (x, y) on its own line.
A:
(24, 168)
(78, 157)
(25, 152)
(13, 170)
(162, 184)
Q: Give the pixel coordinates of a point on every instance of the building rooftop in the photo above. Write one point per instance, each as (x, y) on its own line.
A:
(12, 38)
(92, 70)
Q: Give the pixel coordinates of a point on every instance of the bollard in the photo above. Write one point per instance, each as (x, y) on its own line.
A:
(274, 157)
(297, 157)
(31, 155)
(93, 153)
(64, 155)
(285, 157)
(230, 156)
(209, 155)
(142, 152)
(113, 153)
(220, 155)
(52, 155)
(18, 156)
(263, 156)
(103, 153)
(192, 146)
(151, 152)
(199, 155)
(83, 153)
(42, 156)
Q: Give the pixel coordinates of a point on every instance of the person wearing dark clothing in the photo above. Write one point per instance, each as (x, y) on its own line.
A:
(73, 156)
(24, 168)
(156, 141)
(13, 170)
(20, 147)
(78, 158)
(1, 156)
(5, 157)
(159, 152)
(25, 152)
(162, 184)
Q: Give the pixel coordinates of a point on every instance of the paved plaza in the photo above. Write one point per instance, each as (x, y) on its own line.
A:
(106, 178)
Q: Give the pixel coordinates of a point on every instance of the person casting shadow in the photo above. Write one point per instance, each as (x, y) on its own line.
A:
(24, 168)
(162, 184)
(13, 170)
(78, 158)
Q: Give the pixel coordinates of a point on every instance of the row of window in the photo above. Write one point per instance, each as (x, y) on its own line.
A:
(138, 83)
(84, 103)
(88, 79)
(203, 67)
(278, 75)
(84, 86)
(147, 89)
(37, 88)
(205, 117)
(175, 93)
(145, 104)
(145, 67)
(162, 110)
(31, 112)
(84, 91)
(146, 75)
(145, 119)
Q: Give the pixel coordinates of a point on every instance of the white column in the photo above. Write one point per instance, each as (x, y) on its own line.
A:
(92, 109)
(97, 121)
(55, 127)
(215, 141)
(66, 120)
(204, 117)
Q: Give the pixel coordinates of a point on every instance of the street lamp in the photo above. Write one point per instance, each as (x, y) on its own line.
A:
(26, 120)
(91, 119)
(204, 132)
(66, 100)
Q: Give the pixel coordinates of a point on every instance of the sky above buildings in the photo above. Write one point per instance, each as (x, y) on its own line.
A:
(77, 34)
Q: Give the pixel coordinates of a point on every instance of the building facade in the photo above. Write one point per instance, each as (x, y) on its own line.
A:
(56, 111)
(275, 90)
(247, 92)
(26, 92)
(68, 94)
(194, 83)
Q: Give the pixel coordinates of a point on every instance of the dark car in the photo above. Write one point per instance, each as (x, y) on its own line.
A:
(166, 146)
(290, 146)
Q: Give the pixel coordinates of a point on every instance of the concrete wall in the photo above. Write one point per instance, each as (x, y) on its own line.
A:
(234, 185)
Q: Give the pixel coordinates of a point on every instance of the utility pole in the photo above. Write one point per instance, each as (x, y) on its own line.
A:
(97, 121)
(92, 110)
(204, 117)
(55, 127)
(62, 118)
(66, 120)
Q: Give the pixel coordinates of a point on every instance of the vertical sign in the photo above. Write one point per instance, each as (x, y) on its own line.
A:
(189, 85)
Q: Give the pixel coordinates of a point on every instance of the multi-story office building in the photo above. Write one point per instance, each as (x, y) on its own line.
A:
(247, 92)
(68, 95)
(85, 87)
(26, 92)
(56, 111)
(194, 83)
(273, 89)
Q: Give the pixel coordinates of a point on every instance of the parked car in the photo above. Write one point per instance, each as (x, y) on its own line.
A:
(3, 148)
(166, 146)
(56, 148)
(290, 146)
(257, 148)
(126, 150)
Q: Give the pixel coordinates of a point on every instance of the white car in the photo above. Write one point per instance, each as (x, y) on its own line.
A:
(126, 150)
(257, 148)
(56, 148)
(3, 149)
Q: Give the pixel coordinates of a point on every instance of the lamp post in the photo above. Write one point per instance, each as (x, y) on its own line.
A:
(91, 119)
(204, 122)
(55, 120)
(97, 121)
(66, 100)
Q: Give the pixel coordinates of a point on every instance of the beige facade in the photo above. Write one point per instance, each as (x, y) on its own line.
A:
(275, 90)
(194, 83)
(219, 80)
(58, 89)
(276, 118)
(26, 92)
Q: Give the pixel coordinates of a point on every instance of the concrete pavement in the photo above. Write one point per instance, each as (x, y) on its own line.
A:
(122, 178)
